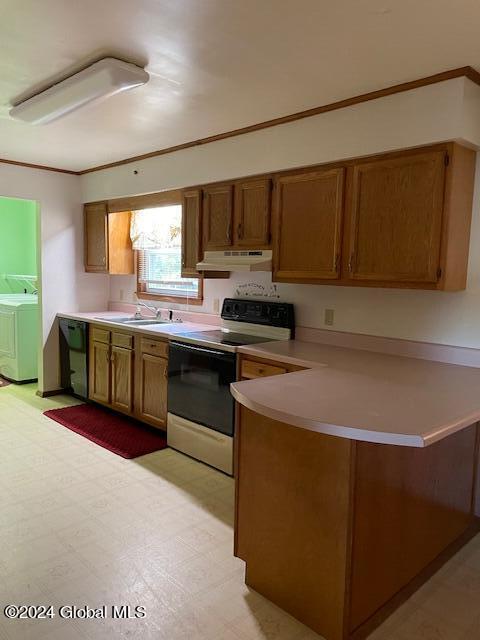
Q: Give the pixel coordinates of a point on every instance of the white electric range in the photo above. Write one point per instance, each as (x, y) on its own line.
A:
(202, 365)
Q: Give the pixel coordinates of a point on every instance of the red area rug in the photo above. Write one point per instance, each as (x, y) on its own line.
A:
(121, 435)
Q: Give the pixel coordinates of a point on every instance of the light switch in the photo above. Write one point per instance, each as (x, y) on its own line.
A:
(329, 316)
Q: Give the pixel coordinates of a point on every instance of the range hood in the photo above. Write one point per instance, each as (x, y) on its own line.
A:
(236, 261)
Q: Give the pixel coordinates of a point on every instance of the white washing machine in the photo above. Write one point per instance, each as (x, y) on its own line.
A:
(19, 325)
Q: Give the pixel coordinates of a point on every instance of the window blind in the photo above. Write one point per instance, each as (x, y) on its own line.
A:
(157, 234)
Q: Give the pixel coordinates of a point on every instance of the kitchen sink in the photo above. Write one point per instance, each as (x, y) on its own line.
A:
(139, 323)
(134, 321)
(122, 319)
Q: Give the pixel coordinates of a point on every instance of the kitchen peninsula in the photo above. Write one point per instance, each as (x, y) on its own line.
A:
(356, 479)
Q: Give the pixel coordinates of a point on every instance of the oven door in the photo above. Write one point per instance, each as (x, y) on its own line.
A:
(199, 385)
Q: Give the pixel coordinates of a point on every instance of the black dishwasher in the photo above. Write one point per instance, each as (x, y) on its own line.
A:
(74, 357)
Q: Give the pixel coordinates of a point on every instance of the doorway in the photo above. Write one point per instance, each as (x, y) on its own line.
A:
(20, 308)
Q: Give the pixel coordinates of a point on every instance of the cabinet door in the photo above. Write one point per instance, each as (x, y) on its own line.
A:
(307, 226)
(217, 217)
(191, 232)
(99, 383)
(152, 378)
(96, 237)
(120, 253)
(122, 379)
(396, 219)
(252, 214)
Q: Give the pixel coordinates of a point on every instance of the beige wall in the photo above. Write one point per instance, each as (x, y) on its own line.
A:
(443, 111)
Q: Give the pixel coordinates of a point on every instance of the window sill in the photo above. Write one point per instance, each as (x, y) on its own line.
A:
(143, 295)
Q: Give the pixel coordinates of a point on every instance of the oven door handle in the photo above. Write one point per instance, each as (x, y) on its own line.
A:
(194, 348)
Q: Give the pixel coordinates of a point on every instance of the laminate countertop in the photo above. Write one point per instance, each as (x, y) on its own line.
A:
(362, 395)
(162, 330)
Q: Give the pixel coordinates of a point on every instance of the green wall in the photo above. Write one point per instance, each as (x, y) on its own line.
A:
(18, 241)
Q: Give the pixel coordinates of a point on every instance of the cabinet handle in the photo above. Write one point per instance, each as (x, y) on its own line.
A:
(351, 262)
(107, 356)
(337, 262)
(229, 232)
(240, 230)
(104, 260)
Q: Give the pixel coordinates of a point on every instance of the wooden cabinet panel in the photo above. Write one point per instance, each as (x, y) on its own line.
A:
(292, 512)
(252, 214)
(250, 370)
(409, 505)
(100, 335)
(99, 372)
(307, 226)
(154, 347)
(396, 219)
(122, 379)
(217, 217)
(120, 252)
(96, 237)
(191, 232)
(107, 244)
(151, 381)
(124, 340)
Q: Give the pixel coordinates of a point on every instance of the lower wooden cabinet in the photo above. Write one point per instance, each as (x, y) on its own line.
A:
(99, 378)
(129, 373)
(151, 385)
(122, 379)
(251, 367)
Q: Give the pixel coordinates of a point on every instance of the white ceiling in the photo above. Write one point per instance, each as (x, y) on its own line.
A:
(215, 65)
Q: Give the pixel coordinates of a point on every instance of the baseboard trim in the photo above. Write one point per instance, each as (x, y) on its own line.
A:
(48, 394)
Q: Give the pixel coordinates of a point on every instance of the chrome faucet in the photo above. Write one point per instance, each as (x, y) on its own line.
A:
(156, 310)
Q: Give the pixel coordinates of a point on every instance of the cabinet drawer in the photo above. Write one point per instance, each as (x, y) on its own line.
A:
(154, 347)
(251, 369)
(122, 340)
(100, 335)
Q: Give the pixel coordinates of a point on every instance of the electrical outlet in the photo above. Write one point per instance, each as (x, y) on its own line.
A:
(329, 317)
(216, 305)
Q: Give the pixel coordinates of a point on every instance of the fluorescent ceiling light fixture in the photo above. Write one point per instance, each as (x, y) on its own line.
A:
(100, 80)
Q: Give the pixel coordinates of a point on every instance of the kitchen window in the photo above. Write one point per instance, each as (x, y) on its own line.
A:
(157, 236)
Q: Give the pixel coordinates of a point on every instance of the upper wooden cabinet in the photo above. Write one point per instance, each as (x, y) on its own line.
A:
(252, 214)
(396, 210)
(395, 220)
(96, 237)
(307, 225)
(191, 232)
(217, 217)
(108, 248)
(236, 215)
